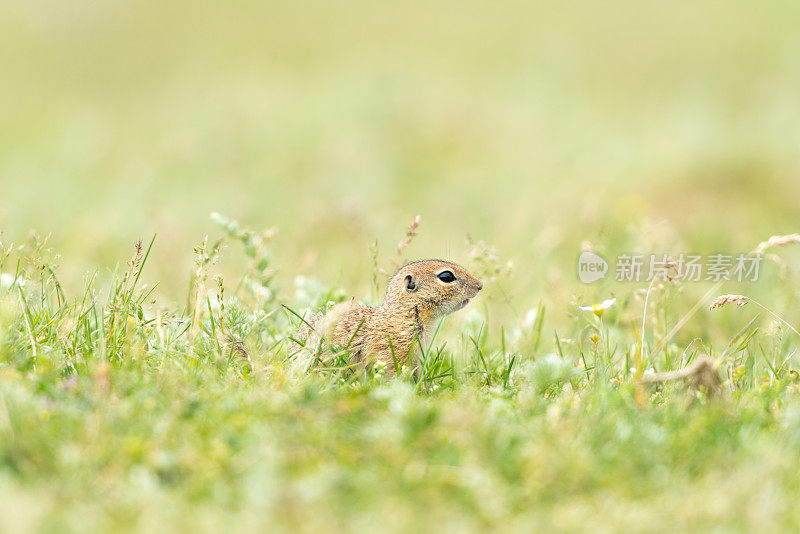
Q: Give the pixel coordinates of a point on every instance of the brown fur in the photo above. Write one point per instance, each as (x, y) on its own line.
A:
(393, 330)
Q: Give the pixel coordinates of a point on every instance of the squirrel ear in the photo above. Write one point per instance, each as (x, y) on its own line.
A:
(411, 285)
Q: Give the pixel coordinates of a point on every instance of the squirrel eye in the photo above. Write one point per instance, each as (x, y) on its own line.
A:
(447, 277)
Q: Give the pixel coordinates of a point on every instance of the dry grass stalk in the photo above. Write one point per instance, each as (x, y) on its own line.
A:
(741, 300)
(776, 241)
(133, 265)
(701, 373)
(639, 360)
(410, 233)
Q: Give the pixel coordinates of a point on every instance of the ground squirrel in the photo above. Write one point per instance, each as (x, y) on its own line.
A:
(417, 295)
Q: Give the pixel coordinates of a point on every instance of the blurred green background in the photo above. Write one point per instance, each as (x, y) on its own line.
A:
(537, 127)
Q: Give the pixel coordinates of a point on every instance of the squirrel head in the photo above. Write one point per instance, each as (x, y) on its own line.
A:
(435, 287)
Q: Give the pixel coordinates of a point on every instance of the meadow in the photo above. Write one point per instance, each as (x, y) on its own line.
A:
(179, 182)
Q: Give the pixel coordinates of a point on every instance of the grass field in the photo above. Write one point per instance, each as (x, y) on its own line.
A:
(176, 180)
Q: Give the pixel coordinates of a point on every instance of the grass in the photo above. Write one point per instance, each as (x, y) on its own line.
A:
(150, 387)
(118, 414)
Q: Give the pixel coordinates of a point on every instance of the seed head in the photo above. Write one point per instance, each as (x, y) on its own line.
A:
(722, 300)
